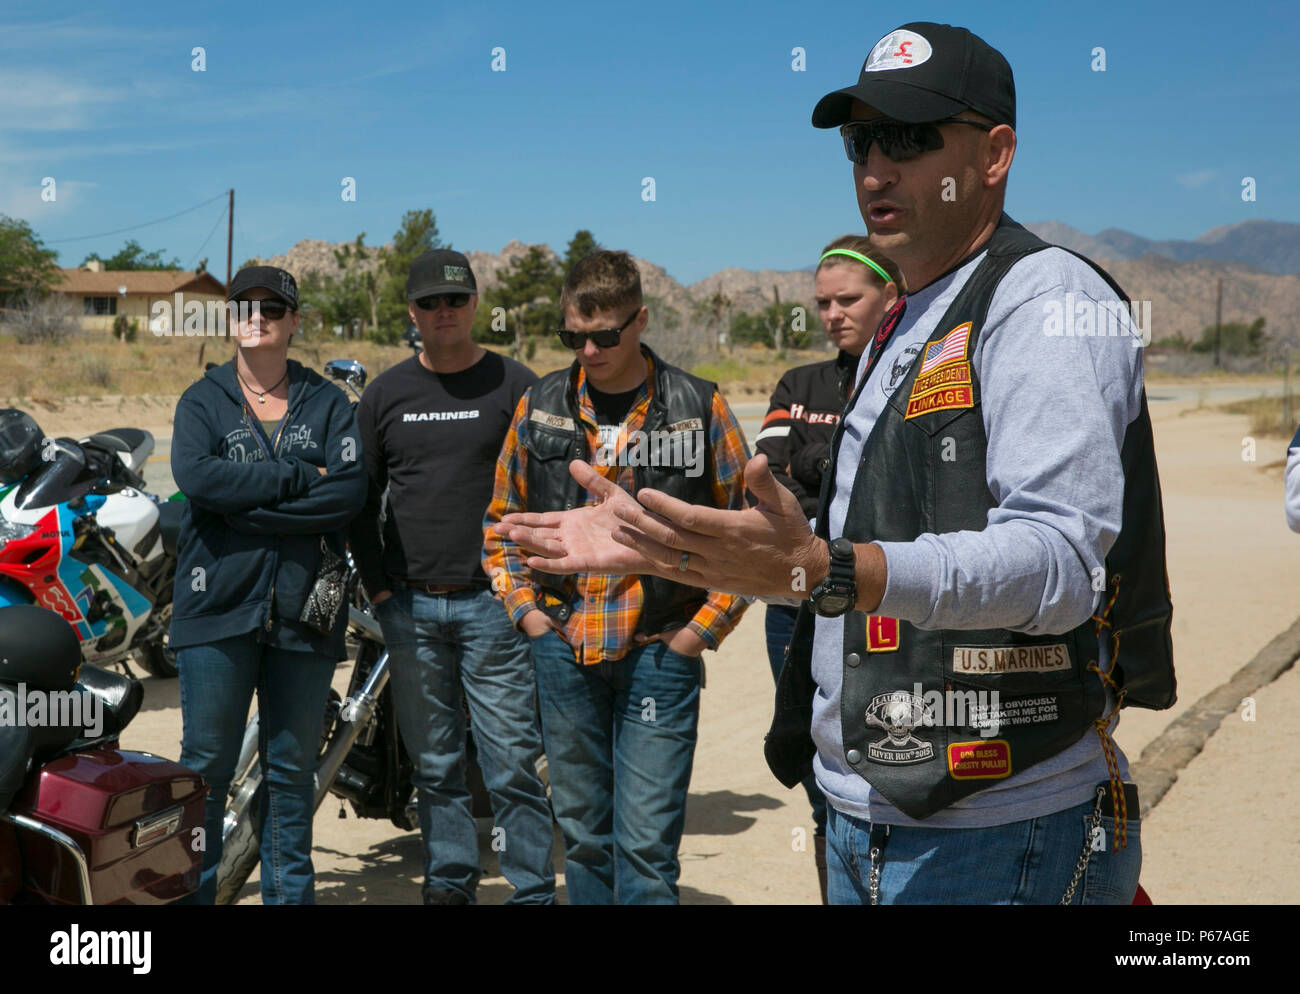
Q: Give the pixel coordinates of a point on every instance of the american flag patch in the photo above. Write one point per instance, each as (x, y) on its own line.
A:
(949, 348)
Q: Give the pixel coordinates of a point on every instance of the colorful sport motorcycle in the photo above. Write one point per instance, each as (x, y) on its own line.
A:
(81, 536)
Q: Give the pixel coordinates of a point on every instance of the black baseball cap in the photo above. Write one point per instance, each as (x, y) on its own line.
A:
(439, 271)
(926, 72)
(278, 281)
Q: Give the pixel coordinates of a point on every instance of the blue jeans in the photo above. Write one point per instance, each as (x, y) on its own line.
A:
(620, 740)
(439, 644)
(1023, 862)
(779, 624)
(217, 683)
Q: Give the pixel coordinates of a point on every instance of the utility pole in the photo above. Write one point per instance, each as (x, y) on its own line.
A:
(1218, 320)
(230, 233)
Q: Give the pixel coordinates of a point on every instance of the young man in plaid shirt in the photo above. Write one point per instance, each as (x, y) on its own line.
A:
(618, 658)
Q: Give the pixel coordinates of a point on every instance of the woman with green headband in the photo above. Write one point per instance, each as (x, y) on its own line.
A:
(855, 285)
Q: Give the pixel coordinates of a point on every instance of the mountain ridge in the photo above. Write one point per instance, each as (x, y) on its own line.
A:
(1182, 290)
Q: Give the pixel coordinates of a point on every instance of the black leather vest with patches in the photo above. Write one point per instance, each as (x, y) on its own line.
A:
(680, 413)
(919, 718)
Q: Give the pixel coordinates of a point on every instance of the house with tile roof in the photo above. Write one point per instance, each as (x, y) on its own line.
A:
(101, 295)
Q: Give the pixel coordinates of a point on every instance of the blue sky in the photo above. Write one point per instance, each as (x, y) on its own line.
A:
(595, 97)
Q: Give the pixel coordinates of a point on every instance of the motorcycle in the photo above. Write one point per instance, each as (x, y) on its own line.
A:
(81, 820)
(81, 536)
(361, 759)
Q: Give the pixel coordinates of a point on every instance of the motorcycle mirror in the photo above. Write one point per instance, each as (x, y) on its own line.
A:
(347, 370)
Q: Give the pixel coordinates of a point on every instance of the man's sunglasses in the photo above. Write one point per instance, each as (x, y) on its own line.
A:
(606, 338)
(272, 309)
(899, 140)
(456, 300)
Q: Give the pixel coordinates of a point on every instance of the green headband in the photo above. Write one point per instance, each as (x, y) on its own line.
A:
(861, 258)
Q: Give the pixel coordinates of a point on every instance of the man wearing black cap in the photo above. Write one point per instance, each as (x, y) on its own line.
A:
(432, 427)
(987, 581)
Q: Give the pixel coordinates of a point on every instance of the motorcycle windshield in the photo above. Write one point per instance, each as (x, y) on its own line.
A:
(65, 477)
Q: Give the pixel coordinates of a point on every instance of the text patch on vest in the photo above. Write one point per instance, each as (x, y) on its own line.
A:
(994, 659)
(943, 383)
(897, 714)
(987, 759)
(557, 421)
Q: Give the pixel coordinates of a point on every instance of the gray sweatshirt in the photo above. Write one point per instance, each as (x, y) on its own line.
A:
(1058, 390)
(1293, 484)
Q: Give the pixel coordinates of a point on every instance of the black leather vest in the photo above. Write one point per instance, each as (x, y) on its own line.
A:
(918, 716)
(681, 405)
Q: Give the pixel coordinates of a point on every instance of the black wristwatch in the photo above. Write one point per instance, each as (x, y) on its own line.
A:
(838, 592)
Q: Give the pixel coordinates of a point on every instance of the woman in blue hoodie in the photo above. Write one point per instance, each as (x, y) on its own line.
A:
(249, 550)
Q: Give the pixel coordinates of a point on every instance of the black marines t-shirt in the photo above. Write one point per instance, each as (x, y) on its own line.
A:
(432, 439)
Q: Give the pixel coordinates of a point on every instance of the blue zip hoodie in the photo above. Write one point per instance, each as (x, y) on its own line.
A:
(249, 543)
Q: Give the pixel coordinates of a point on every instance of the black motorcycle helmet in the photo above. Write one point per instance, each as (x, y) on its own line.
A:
(38, 648)
(20, 444)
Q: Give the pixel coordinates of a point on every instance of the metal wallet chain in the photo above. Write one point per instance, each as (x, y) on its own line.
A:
(879, 836)
(1087, 848)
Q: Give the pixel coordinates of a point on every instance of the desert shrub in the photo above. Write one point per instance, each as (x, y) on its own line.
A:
(97, 372)
(35, 319)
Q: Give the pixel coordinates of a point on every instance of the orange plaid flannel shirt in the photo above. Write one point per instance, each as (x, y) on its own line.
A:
(606, 612)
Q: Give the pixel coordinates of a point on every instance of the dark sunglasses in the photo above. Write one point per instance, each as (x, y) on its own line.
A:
(456, 300)
(606, 338)
(271, 309)
(899, 140)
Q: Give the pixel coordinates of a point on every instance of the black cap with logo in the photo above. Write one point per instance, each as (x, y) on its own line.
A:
(439, 271)
(926, 72)
(278, 281)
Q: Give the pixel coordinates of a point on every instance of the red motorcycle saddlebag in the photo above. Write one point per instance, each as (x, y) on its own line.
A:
(137, 818)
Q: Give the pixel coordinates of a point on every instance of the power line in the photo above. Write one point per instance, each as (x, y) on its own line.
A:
(134, 227)
(208, 239)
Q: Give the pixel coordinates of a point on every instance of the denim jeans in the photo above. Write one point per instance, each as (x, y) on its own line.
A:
(620, 740)
(779, 624)
(217, 683)
(439, 644)
(1023, 862)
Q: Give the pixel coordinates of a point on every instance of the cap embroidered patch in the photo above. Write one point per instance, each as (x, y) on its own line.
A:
(898, 50)
(986, 759)
(457, 273)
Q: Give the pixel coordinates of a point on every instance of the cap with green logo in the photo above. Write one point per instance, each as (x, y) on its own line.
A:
(440, 271)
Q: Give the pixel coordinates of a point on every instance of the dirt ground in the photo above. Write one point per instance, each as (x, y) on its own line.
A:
(1227, 832)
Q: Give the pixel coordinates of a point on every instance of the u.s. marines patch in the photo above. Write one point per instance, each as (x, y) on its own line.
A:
(943, 382)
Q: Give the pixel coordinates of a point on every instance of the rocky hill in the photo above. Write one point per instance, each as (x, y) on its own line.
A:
(1182, 292)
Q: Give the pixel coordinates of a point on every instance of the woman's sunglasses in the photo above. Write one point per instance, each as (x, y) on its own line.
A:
(899, 140)
(271, 309)
(606, 338)
(456, 300)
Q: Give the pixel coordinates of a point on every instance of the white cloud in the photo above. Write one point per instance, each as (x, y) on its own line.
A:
(43, 101)
(25, 201)
(1194, 179)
